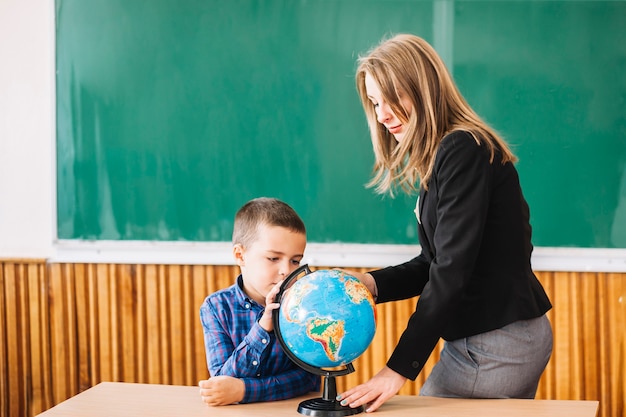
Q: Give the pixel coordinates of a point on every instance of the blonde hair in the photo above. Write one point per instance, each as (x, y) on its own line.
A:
(264, 210)
(408, 64)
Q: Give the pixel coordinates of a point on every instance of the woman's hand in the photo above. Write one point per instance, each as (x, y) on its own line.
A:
(384, 385)
(222, 390)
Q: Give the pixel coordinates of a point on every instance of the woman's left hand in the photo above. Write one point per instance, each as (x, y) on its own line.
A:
(384, 385)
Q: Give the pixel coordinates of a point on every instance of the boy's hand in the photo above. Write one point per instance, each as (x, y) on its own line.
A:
(222, 390)
(270, 306)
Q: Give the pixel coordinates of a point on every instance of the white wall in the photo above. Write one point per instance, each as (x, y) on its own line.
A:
(26, 128)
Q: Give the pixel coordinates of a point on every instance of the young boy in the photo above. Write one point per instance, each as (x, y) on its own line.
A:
(244, 358)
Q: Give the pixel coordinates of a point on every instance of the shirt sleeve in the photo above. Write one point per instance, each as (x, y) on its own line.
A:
(223, 357)
(289, 384)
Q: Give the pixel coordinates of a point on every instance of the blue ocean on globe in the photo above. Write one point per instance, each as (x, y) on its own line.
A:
(327, 318)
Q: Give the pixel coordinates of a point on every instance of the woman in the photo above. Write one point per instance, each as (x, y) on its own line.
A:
(477, 289)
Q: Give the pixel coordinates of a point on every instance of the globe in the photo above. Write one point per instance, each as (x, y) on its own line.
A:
(327, 318)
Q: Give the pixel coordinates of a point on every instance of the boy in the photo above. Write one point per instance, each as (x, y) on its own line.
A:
(244, 358)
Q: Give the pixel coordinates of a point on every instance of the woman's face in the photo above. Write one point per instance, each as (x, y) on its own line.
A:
(384, 114)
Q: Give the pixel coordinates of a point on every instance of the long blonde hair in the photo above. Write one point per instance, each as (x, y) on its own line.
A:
(408, 64)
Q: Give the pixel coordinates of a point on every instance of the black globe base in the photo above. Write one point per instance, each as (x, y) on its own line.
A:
(319, 407)
(327, 406)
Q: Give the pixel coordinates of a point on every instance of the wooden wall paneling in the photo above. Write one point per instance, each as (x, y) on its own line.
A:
(25, 384)
(65, 327)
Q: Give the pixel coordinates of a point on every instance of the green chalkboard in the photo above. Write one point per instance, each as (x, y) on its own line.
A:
(173, 113)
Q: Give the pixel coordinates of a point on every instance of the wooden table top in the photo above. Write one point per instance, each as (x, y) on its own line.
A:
(113, 399)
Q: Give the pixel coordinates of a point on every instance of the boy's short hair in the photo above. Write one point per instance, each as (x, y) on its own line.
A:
(264, 210)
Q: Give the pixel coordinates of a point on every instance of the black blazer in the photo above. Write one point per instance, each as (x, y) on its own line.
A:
(473, 274)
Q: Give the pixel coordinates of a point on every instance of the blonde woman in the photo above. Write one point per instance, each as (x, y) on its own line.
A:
(477, 289)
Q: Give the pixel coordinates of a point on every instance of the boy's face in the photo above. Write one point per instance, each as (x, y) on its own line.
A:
(276, 252)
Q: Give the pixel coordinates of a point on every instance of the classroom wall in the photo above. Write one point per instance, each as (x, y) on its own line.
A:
(26, 128)
(39, 298)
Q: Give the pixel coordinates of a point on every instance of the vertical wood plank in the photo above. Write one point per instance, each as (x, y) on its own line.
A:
(105, 326)
(164, 325)
(589, 381)
(4, 366)
(615, 320)
(82, 325)
(175, 319)
(93, 325)
(202, 282)
(126, 294)
(15, 372)
(115, 321)
(38, 343)
(58, 335)
(153, 325)
(188, 325)
(142, 326)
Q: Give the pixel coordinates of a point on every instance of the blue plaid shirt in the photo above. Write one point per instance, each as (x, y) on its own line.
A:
(236, 345)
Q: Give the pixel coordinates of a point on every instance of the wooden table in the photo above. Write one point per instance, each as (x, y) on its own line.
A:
(116, 399)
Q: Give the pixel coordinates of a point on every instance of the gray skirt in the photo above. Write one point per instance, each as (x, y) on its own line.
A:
(502, 363)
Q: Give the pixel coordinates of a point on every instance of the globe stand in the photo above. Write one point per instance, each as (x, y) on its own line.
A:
(327, 405)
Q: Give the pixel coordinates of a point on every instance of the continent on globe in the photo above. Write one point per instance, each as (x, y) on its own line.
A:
(294, 310)
(357, 291)
(329, 333)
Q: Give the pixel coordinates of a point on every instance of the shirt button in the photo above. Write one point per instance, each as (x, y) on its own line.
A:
(258, 374)
(247, 305)
(415, 364)
(264, 341)
(255, 363)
